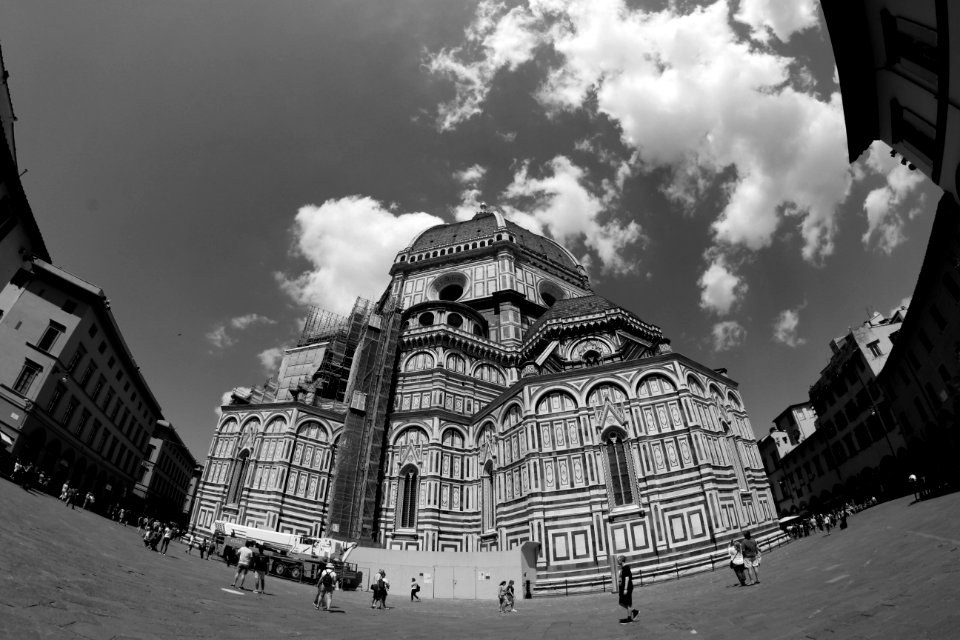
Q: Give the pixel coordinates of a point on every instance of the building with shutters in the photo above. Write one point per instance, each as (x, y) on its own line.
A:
(491, 398)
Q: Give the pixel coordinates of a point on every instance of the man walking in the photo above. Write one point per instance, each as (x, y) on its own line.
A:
(325, 587)
(167, 535)
(625, 590)
(243, 564)
(751, 558)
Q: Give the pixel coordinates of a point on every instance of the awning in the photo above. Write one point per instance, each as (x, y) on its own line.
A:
(7, 440)
(788, 519)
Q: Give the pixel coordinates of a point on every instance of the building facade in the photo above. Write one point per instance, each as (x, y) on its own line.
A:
(791, 427)
(857, 450)
(896, 60)
(72, 399)
(20, 236)
(513, 405)
(166, 474)
(921, 380)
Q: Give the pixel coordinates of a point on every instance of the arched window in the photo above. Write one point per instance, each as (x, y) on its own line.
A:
(409, 491)
(230, 426)
(420, 361)
(239, 468)
(655, 385)
(489, 373)
(619, 469)
(512, 417)
(488, 510)
(735, 401)
(604, 392)
(556, 402)
(696, 388)
(413, 435)
(453, 439)
(456, 363)
(275, 426)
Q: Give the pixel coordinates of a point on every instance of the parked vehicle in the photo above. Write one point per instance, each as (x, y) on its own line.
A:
(292, 555)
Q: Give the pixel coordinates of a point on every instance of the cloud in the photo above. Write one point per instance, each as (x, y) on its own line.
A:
(687, 94)
(243, 322)
(785, 328)
(470, 178)
(781, 18)
(727, 335)
(884, 205)
(270, 358)
(225, 399)
(561, 203)
(720, 288)
(221, 339)
(497, 39)
(329, 236)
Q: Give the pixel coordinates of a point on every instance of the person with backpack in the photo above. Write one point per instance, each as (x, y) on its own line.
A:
(414, 590)
(325, 587)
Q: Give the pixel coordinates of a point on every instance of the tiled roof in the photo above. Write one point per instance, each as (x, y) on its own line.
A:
(485, 225)
(584, 306)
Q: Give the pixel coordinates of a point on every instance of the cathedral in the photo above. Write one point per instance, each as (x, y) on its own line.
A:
(490, 398)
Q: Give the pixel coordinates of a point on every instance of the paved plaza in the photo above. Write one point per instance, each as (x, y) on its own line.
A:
(894, 574)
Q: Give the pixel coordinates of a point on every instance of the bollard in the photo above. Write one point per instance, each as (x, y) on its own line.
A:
(526, 593)
(566, 590)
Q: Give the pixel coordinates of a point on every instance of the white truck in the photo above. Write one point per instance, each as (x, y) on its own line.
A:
(292, 556)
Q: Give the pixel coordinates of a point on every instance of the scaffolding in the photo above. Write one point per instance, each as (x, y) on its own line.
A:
(358, 479)
(342, 334)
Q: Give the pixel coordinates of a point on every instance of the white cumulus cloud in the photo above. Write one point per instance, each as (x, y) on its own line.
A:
(687, 93)
(220, 337)
(785, 328)
(884, 206)
(781, 18)
(243, 322)
(727, 335)
(470, 179)
(350, 244)
(720, 287)
(269, 359)
(560, 203)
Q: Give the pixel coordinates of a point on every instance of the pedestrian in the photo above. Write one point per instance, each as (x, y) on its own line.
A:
(167, 536)
(375, 588)
(326, 585)
(751, 557)
(511, 597)
(203, 547)
(189, 549)
(243, 564)
(625, 590)
(72, 497)
(502, 596)
(414, 590)
(384, 589)
(736, 561)
(843, 520)
(64, 490)
(260, 564)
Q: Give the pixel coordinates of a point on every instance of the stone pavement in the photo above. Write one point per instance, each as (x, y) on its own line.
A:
(894, 574)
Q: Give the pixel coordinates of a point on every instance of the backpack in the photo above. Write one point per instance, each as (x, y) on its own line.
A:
(326, 579)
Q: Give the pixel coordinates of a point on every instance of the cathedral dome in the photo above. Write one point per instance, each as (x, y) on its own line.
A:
(492, 226)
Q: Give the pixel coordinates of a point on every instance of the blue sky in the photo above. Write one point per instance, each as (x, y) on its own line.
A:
(217, 166)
